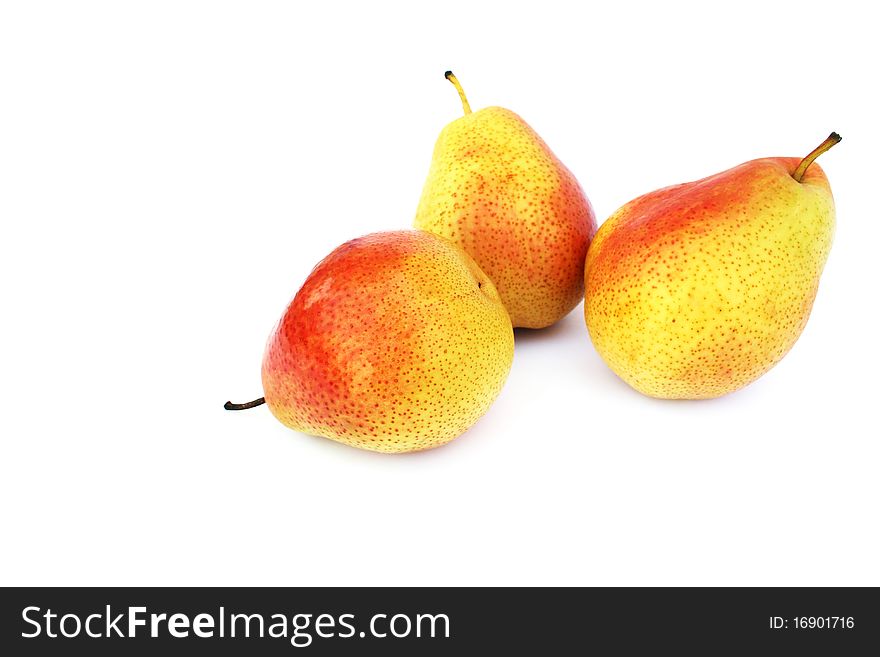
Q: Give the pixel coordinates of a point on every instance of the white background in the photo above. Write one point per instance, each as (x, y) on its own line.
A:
(171, 171)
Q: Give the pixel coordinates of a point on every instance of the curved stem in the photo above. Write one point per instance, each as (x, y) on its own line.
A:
(798, 174)
(229, 406)
(454, 80)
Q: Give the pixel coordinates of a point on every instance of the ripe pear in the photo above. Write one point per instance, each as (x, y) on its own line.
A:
(694, 291)
(496, 189)
(396, 342)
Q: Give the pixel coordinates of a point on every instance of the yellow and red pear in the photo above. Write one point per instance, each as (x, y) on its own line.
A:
(496, 189)
(396, 342)
(696, 290)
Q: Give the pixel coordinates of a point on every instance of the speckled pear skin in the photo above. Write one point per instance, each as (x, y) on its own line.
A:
(396, 342)
(696, 290)
(495, 188)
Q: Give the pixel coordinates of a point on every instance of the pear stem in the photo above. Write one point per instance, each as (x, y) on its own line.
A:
(229, 406)
(798, 174)
(464, 101)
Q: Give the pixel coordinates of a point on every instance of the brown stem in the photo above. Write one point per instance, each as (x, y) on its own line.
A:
(229, 406)
(798, 174)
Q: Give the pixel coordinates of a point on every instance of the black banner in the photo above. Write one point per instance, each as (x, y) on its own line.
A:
(437, 621)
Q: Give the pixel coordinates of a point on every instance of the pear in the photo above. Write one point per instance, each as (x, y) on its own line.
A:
(496, 189)
(696, 290)
(396, 342)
